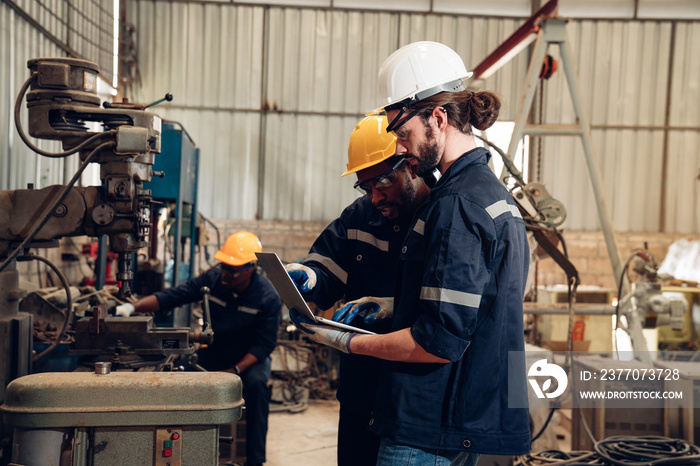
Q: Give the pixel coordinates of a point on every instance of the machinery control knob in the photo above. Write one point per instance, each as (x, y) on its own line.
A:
(103, 214)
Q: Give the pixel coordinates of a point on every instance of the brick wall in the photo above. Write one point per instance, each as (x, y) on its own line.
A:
(589, 254)
(290, 240)
(587, 249)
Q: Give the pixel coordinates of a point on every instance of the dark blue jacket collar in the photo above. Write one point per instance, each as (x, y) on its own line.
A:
(478, 155)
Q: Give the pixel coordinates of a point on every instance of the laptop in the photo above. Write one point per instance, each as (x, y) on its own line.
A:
(291, 297)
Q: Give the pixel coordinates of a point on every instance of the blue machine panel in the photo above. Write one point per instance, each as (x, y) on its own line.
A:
(178, 159)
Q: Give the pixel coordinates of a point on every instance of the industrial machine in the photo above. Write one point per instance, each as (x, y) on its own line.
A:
(606, 418)
(62, 101)
(646, 305)
(125, 418)
(80, 417)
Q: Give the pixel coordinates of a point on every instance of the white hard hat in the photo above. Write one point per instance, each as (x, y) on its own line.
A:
(419, 70)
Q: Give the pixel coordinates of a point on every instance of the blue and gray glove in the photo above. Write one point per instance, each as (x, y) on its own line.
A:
(370, 309)
(335, 338)
(303, 277)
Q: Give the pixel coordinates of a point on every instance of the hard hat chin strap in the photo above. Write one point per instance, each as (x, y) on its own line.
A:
(453, 86)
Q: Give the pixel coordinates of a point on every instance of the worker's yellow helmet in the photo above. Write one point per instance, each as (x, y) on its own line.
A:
(370, 144)
(239, 249)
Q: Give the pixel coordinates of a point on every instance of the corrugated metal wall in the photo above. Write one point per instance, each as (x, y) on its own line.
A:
(45, 28)
(639, 82)
(271, 94)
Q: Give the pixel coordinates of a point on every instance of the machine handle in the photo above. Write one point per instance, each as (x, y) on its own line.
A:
(207, 333)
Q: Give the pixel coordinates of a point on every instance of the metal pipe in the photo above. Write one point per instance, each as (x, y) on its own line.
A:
(563, 309)
(262, 146)
(667, 119)
(589, 150)
(559, 130)
(525, 101)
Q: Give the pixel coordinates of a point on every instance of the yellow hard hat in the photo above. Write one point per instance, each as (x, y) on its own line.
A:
(239, 249)
(370, 144)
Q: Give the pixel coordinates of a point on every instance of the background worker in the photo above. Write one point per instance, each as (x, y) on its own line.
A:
(465, 262)
(245, 313)
(357, 256)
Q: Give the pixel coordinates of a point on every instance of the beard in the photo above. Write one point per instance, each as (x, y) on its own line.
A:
(407, 198)
(428, 154)
(404, 205)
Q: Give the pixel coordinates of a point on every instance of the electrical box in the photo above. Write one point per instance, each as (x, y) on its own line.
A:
(125, 418)
(606, 421)
(683, 414)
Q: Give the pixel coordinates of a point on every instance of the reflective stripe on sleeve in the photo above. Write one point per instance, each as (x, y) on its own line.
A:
(359, 235)
(328, 263)
(444, 295)
(248, 310)
(218, 301)
(502, 207)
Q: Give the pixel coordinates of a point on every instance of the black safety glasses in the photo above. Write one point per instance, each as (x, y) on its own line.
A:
(380, 182)
(397, 123)
(236, 270)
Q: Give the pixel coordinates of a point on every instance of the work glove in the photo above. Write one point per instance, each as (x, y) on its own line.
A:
(370, 309)
(303, 277)
(335, 338)
(124, 310)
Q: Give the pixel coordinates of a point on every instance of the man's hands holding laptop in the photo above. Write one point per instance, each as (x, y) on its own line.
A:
(323, 334)
(368, 312)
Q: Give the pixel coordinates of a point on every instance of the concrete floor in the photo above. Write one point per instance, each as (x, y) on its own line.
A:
(307, 438)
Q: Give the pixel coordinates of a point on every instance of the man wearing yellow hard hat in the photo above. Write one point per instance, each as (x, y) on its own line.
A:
(245, 312)
(453, 383)
(356, 256)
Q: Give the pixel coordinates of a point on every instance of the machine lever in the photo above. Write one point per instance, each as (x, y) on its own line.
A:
(207, 334)
(168, 97)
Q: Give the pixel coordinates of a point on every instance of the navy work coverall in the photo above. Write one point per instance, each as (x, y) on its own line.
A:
(356, 256)
(465, 263)
(243, 323)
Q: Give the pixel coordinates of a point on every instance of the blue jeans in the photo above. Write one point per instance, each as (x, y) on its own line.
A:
(392, 454)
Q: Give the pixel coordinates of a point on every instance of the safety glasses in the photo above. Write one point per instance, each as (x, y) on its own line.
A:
(380, 182)
(235, 271)
(397, 123)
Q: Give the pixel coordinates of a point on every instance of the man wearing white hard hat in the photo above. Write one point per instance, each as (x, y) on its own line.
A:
(444, 394)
